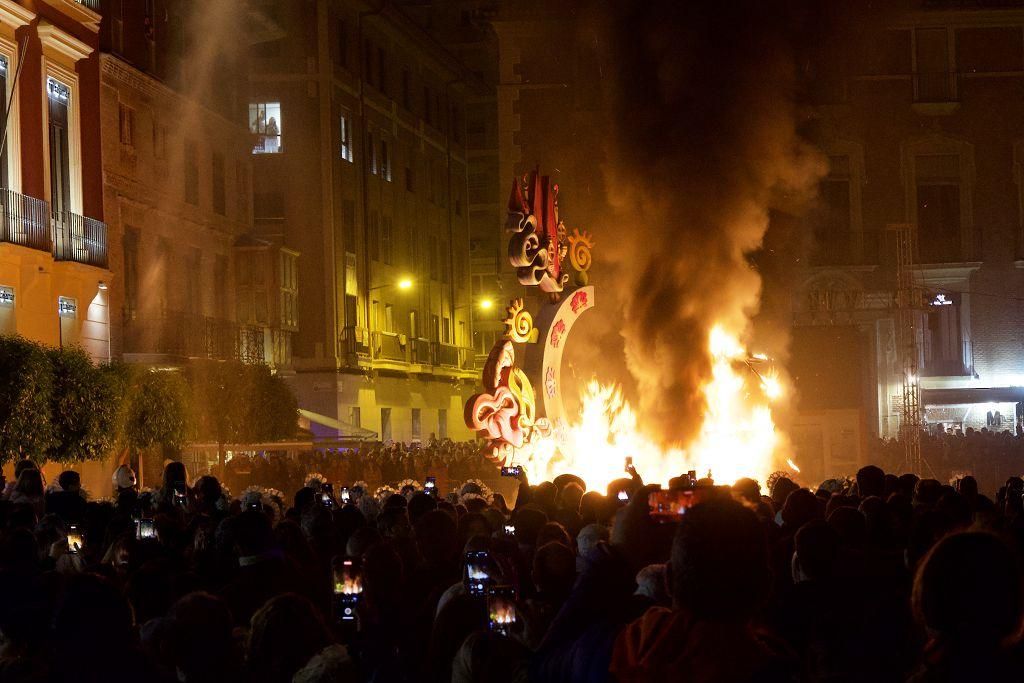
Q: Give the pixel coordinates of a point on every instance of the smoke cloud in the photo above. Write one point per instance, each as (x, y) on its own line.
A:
(703, 146)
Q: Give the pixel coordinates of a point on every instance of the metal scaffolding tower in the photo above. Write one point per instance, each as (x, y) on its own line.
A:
(909, 301)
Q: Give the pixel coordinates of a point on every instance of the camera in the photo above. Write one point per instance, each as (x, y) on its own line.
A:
(145, 528)
(430, 486)
(512, 471)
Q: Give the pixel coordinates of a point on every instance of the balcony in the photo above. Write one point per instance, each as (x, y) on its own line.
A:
(94, 5)
(191, 336)
(79, 239)
(445, 355)
(388, 346)
(420, 351)
(24, 221)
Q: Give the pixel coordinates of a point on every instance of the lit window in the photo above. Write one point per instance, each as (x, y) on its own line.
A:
(265, 124)
(345, 135)
(126, 124)
(385, 161)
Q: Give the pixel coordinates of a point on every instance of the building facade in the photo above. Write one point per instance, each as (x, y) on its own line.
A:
(54, 277)
(923, 134)
(192, 281)
(360, 164)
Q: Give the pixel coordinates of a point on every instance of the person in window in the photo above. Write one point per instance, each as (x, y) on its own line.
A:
(272, 142)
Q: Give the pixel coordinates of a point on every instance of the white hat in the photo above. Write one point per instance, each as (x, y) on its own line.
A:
(124, 478)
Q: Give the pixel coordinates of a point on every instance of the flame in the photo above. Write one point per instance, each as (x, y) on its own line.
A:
(737, 437)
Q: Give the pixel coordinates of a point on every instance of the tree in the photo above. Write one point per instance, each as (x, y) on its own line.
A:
(26, 387)
(156, 411)
(84, 408)
(273, 409)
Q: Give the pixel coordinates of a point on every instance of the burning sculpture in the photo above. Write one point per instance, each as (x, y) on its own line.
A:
(737, 436)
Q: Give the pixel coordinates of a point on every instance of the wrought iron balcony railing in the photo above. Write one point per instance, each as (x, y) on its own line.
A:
(194, 336)
(388, 346)
(80, 239)
(25, 221)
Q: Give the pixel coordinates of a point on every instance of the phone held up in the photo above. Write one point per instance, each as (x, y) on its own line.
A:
(76, 539)
(430, 486)
(479, 572)
(512, 471)
(348, 587)
(145, 528)
(501, 609)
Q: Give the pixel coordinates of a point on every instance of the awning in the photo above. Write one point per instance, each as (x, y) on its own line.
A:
(345, 430)
(951, 397)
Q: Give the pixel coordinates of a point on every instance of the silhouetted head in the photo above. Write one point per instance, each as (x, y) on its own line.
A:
(968, 589)
(870, 481)
(817, 547)
(719, 566)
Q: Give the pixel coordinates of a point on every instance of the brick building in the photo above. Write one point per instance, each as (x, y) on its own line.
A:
(191, 280)
(53, 244)
(360, 164)
(922, 128)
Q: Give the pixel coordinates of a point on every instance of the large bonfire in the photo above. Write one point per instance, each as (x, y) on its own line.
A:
(737, 436)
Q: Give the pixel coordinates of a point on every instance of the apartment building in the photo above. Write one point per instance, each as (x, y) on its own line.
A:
(54, 277)
(360, 164)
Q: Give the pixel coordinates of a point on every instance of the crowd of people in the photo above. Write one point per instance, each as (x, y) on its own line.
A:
(877, 578)
(990, 455)
(374, 464)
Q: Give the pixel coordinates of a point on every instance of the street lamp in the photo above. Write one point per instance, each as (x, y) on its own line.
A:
(486, 304)
(404, 284)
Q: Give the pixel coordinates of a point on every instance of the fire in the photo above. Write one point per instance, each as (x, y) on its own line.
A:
(737, 437)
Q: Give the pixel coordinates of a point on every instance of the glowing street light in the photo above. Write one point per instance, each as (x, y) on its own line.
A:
(405, 284)
(486, 304)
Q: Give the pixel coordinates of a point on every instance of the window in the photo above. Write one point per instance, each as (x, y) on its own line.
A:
(406, 89)
(268, 204)
(220, 204)
(126, 124)
(385, 424)
(463, 338)
(368, 62)
(410, 180)
(342, 54)
(193, 282)
(345, 136)
(373, 236)
(832, 230)
(382, 70)
(289, 290)
(442, 423)
(413, 327)
(934, 77)
(117, 26)
(191, 173)
(990, 49)
(371, 152)
(456, 125)
(434, 256)
(389, 318)
(938, 207)
(242, 197)
(59, 99)
(265, 124)
(131, 273)
(385, 160)
(159, 141)
(375, 315)
(386, 241)
(355, 416)
(446, 330)
(944, 350)
(4, 171)
(220, 287)
(417, 426)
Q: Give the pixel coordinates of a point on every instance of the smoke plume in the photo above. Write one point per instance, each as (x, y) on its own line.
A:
(703, 146)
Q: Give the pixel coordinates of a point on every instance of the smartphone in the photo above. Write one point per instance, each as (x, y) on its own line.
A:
(629, 463)
(76, 539)
(326, 500)
(255, 505)
(622, 496)
(348, 586)
(668, 506)
(510, 530)
(180, 493)
(327, 487)
(501, 609)
(430, 486)
(145, 528)
(479, 572)
(346, 497)
(512, 471)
